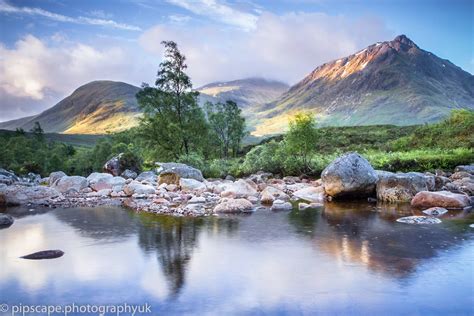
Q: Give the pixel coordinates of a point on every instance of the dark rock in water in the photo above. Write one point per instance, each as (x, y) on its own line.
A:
(371, 200)
(6, 220)
(46, 254)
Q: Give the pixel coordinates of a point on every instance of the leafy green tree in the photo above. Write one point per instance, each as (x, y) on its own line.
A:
(227, 125)
(37, 131)
(173, 122)
(301, 139)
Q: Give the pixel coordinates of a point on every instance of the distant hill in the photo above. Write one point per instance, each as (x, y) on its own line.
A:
(393, 82)
(94, 108)
(80, 140)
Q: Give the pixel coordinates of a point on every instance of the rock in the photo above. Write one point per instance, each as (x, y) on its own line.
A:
(460, 175)
(191, 185)
(419, 220)
(33, 178)
(197, 199)
(260, 177)
(466, 168)
(240, 189)
(102, 181)
(444, 199)
(129, 174)
(234, 206)
(136, 187)
(270, 194)
(6, 220)
(310, 194)
(69, 184)
(8, 177)
(45, 254)
(252, 199)
(20, 195)
(169, 178)
(401, 187)
(350, 175)
(440, 182)
(435, 211)
(113, 166)
(464, 185)
(183, 170)
(230, 178)
(280, 205)
(171, 187)
(55, 176)
(305, 206)
(149, 176)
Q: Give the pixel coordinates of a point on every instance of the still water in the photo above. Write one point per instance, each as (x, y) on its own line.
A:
(341, 259)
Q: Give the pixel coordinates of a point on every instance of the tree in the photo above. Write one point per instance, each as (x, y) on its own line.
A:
(37, 131)
(173, 122)
(301, 138)
(227, 125)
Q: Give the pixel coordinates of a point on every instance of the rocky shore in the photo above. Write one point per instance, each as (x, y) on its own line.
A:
(181, 190)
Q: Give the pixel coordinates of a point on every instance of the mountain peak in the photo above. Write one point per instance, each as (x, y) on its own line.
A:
(403, 41)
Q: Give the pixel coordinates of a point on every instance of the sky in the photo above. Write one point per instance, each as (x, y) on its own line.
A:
(49, 48)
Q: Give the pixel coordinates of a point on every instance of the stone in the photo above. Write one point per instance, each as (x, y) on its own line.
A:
(149, 176)
(252, 199)
(191, 185)
(304, 206)
(349, 175)
(197, 199)
(280, 205)
(443, 199)
(401, 187)
(20, 195)
(129, 174)
(101, 181)
(465, 168)
(169, 178)
(113, 165)
(310, 194)
(419, 220)
(183, 170)
(460, 175)
(230, 178)
(234, 206)
(240, 189)
(136, 187)
(435, 211)
(45, 254)
(270, 194)
(6, 220)
(8, 177)
(68, 184)
(465, 185)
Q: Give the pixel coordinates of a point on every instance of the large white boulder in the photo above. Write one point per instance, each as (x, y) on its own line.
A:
(70, 184)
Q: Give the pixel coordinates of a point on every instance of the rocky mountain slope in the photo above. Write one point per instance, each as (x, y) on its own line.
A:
(393, 82)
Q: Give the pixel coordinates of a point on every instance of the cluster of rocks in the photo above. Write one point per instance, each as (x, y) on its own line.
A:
(179, 189)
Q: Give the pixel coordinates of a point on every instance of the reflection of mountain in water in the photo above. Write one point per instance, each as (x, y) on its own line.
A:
(99, 222)
(365, 234)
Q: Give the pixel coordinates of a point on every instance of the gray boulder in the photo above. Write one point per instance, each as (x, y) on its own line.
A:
(280, 205)
(70, 184)
(136, 187)
(181, 169)
(349, 175)
(113, 165)
(55, 176)
(129, 174)
(8, 177)
(234, 206)
(466, 168)
(401, 187)
(105, 181)
(6, 220)
(20, 195)
(149, 176)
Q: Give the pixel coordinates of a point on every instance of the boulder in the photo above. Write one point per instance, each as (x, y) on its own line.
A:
(270, 194)
(112, 166)
(169, 178)
(105, 181)
(8, 177)
(234, 206)
(149, 176)
(465, 185)
(191, 185)
(183, 170)
(466, 168)
(240, 189)
(401, 187)
(129, 174)
(70, 184)
(6, 220)
(280, 205)
(55, 176)
(419, 220)
(310, 194)
(136, 187)
(197, 200)
(435, 211)
(349, 175)
(20, 195)
(444, 199)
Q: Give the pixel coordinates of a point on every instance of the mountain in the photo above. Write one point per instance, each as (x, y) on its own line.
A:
(393, 82)
(94, 108)
(247, 93)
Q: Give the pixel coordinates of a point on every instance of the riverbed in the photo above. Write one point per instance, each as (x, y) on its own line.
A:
(350, 258)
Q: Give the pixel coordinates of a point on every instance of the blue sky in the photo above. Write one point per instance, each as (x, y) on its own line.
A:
(48, 48)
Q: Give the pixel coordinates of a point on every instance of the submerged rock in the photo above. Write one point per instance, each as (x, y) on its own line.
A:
(45, 254)
(435, 211)
(6, 220)
(444, 199)
(419, 220)
(350, 175)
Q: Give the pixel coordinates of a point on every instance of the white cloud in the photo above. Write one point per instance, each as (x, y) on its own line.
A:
(219, 11)
(10, 9)
(285, 47)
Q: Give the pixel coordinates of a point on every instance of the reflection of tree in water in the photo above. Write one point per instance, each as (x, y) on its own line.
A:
(174, 240)
(368, 234)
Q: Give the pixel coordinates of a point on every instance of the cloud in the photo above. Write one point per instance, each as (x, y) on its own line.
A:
(219, 11)
(284, 47)
(35, 74)
(10, 9)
